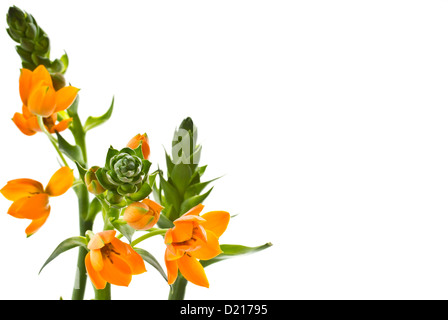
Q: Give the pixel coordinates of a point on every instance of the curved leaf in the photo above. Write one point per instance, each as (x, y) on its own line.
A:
(234, 250)
(151, 260)
(65, 245)
(93, 122)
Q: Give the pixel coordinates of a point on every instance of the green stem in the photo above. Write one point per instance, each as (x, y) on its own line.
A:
(84, 225)
(149, 235)
(103, 294)
(53, 141)
(177, 289)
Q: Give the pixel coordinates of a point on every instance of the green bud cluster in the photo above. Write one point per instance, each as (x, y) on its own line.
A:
(33, 43)
(125, 177)
(181, 189)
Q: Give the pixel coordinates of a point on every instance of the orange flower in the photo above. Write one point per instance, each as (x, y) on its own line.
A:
(142, 215)
(143, 139)
(111, 260)
(31, 200)
(194, 237)
(39, 98)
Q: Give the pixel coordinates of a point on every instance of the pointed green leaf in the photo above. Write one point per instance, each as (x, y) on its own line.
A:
(171, 195)
(65, 245)
(64, 60)
(197, 188)
(123, 227)
(141, 194)
(93, 122)
(149, 258)
(111, 152)
(234, 250)
(169, 164)
(181, 176)
(164, 222)
(74, 152)
(193, 201)
(82, 171)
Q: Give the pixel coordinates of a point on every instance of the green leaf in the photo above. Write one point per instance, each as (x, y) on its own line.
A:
(82, 171)
(171, 194)
(64, 60)
(149, 258)
(74, 152)
(193, 201)
(164, 222)
(234, 250)
(73, 110)
(181, 176)
(65, 245)
(169, 163)
(197, 188)
(93, 122)
(110, 154)
(123, 227)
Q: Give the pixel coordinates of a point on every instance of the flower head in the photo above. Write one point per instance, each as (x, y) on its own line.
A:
(194, 237)
(32, 201)
(142, 139)
(111, 260)
(142, 215)
(40, 98)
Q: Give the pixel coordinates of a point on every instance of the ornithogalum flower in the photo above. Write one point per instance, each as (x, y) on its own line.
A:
(111, 260)
(142, 215)
(39, 98)
(194, 238)
(32, 201)
(143, 139)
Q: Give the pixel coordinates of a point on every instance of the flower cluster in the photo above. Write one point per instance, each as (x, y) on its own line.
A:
(121, 189)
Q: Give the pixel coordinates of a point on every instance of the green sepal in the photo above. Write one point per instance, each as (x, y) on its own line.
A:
(234, 250)
(93, 122)
(65, 245)
(149, 258)
(141, 194)
(189, 203)
(110, 154)
(100, 175)
(123, 227)
(74, 152)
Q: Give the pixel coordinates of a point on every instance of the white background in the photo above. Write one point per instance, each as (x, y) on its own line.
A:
(327, 118)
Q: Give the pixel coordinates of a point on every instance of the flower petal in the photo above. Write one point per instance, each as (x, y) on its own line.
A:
(36, 224)
(195, 210)
(33, 207)
(216, 221)
(171, 268)
(96, 258)
(25, 84)
(65, 97)
(42, 101)
(97, 280)
(19, 188)
(61, 126)
(107, 235)
(207, 249)
(133, 259)
(60, 182)
(95, 243)
(192, 270)
(182, 231)
(21, 123)
(116, 271)
(41, 76)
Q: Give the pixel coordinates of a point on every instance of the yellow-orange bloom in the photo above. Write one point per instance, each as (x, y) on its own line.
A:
(143, 139)
(111, 260)
(39, 98)
(142, 215)
(194, 237)
(32, 201)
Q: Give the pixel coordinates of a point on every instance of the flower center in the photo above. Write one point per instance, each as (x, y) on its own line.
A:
(107, 250)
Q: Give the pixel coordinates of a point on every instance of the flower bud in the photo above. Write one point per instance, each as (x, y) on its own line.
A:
(143, 139)
(142, 215)
(92, 182)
